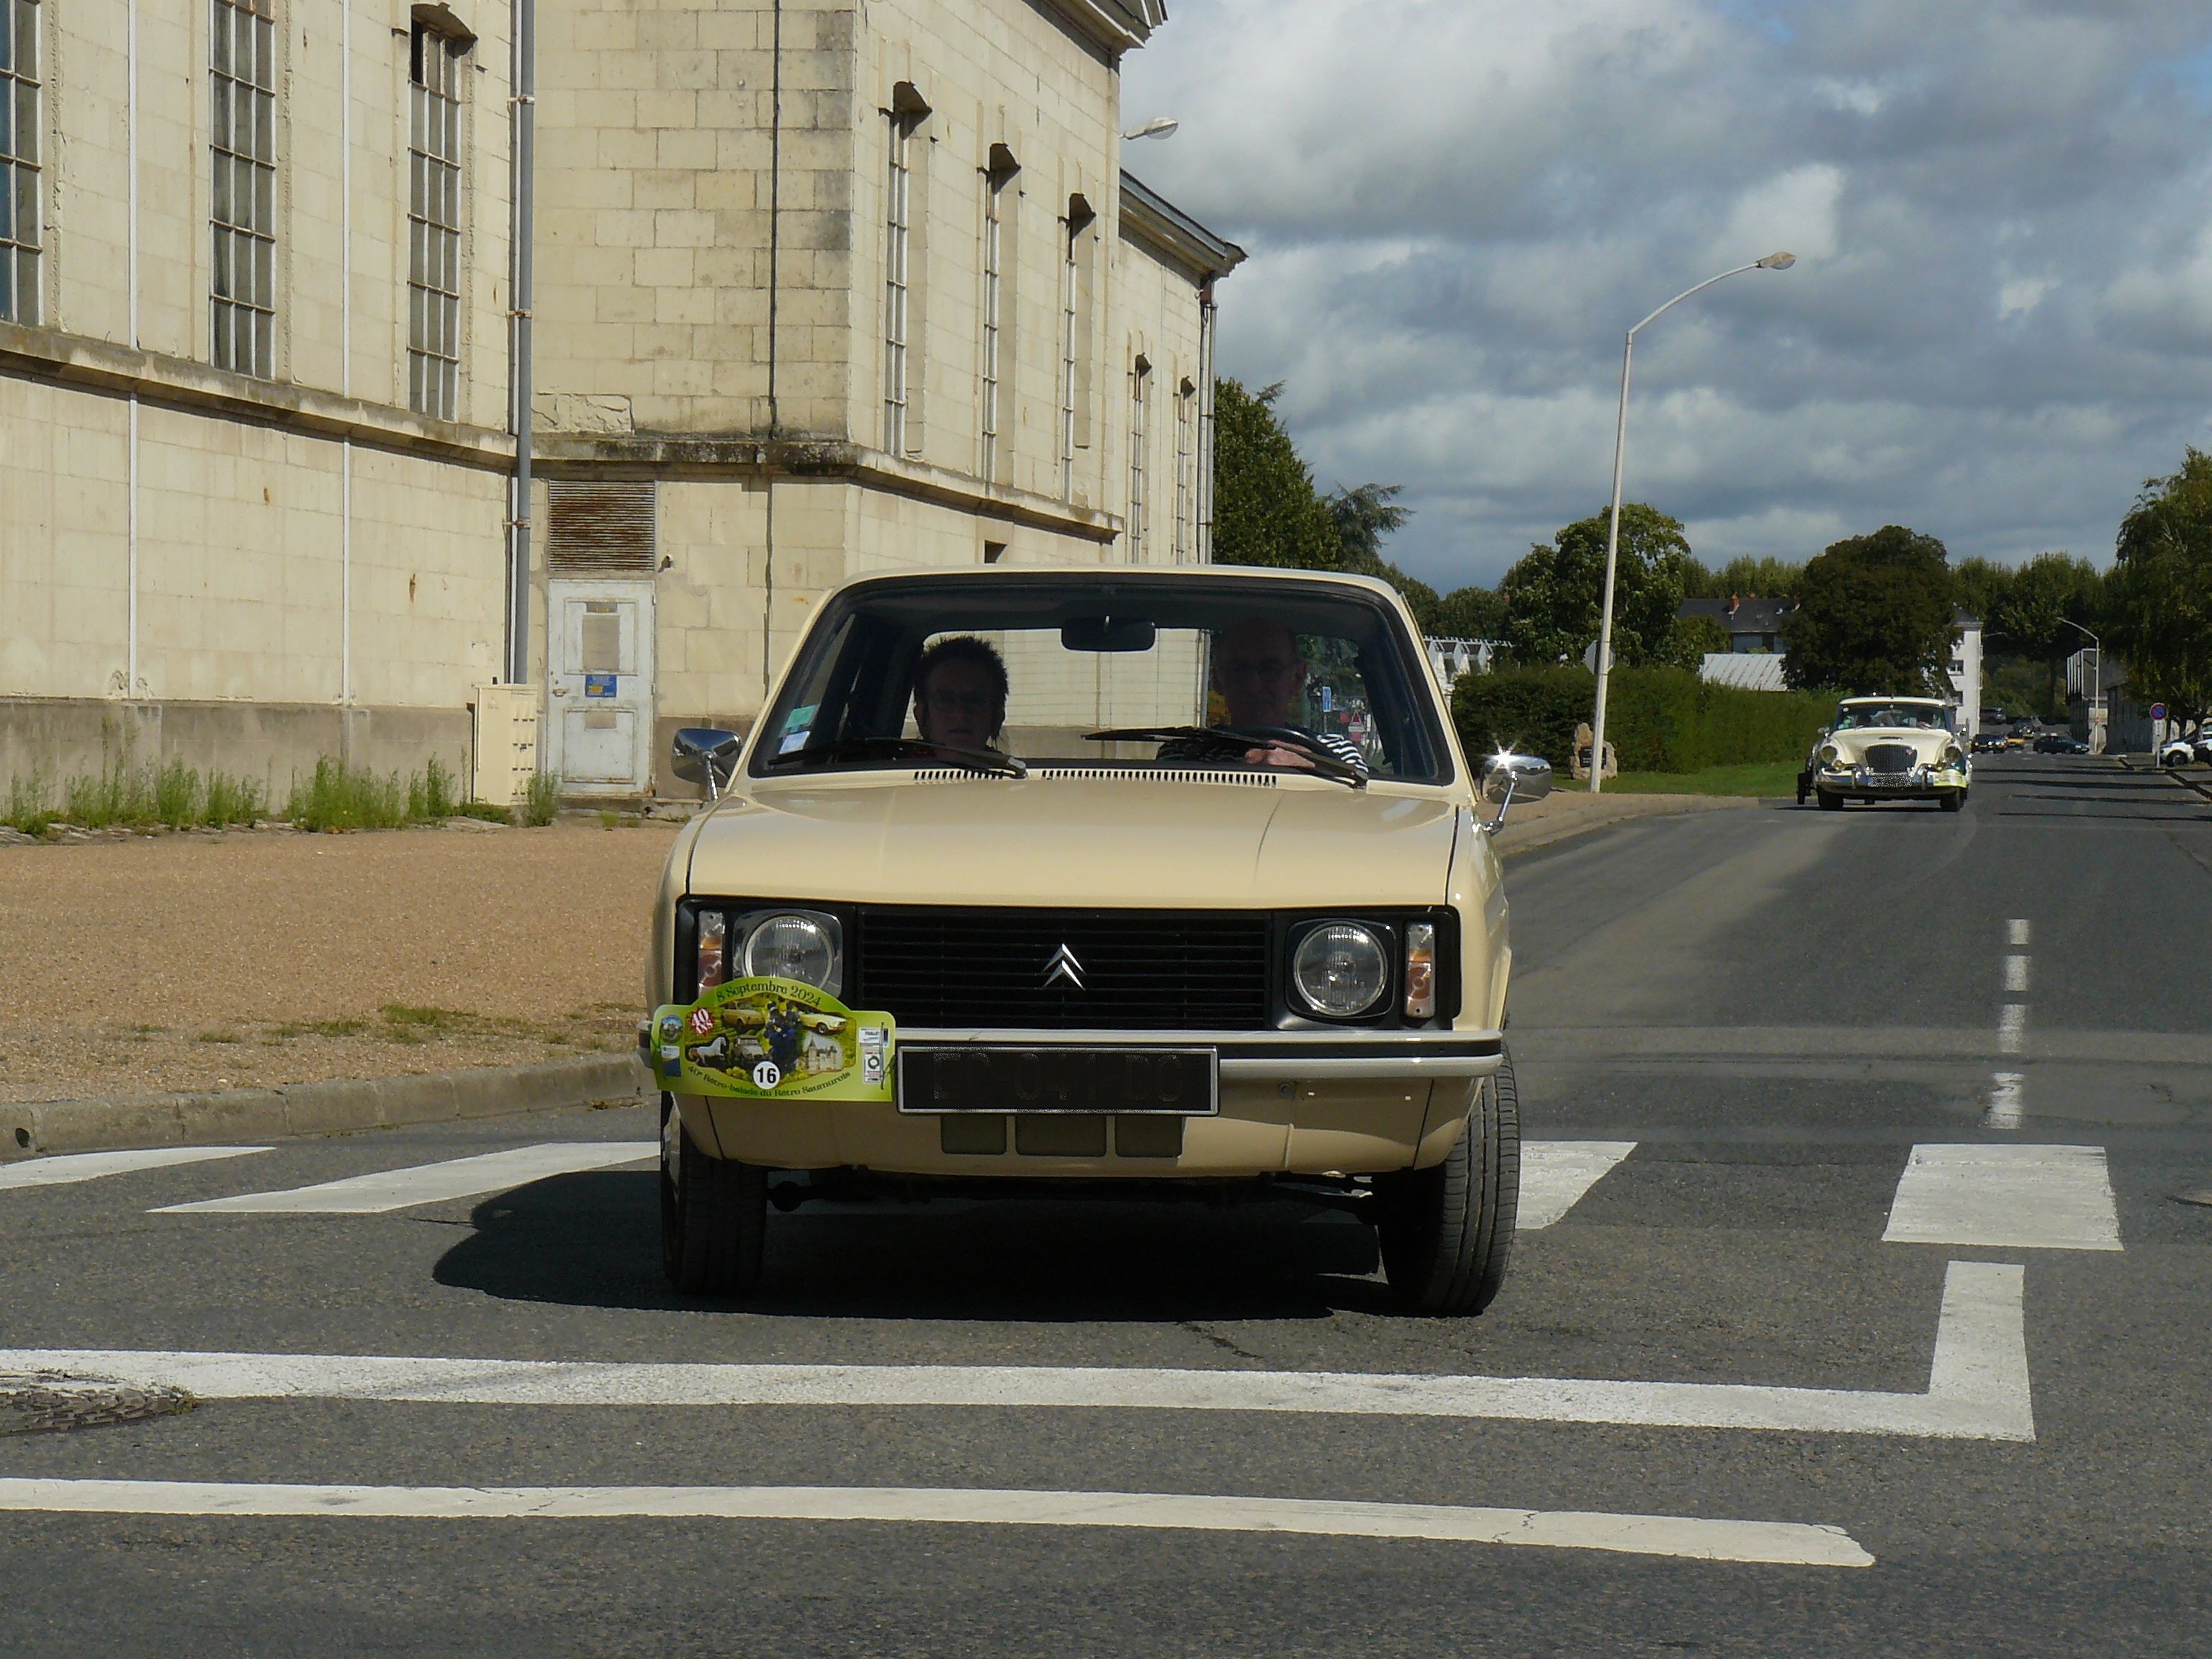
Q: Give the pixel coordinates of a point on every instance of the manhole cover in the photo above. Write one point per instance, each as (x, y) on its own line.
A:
(44, 1402)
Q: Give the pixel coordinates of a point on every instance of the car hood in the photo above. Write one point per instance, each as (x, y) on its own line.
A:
(1047, 841)
(1927, 746)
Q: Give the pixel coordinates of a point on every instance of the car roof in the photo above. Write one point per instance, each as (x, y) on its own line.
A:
(1119, 574)
(1932, 703)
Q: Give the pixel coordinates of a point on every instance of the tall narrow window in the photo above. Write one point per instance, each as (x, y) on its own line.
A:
(1141, 404)
(242, 88)
(1186, 425)
(898, 202)
(994, 228)
(20, 121)
(434, 223)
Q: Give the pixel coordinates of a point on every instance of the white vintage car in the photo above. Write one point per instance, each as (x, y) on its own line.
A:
(1127, 880)
(1889, 749)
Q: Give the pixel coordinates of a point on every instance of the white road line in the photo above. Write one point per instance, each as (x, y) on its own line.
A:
(2016, 931)
(89, 1166)
(1977, 1386)
(1555, 1174)
(2016, 974)
(2033, 1198)
(2004, 1106)
(431, 1183)
(1786, 1543)
(2012, 1028)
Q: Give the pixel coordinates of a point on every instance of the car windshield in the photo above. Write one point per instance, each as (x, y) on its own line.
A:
(1863, 716)
(998, 670)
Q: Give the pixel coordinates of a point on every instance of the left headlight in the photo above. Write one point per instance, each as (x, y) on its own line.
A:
(1830, 755)
(1340, 970)
(1953, 754)
(800, 944)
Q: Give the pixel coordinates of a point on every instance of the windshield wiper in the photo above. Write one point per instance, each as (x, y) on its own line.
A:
(976, 760)
(1236, 740)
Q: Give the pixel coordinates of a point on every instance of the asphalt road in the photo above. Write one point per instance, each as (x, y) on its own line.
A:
(1776, 1008)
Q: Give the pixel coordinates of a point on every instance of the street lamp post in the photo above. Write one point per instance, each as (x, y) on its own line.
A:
(1771, 262)
(2098, 734)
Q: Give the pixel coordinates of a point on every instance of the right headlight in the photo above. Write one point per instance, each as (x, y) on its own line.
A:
(1340, 970)
(807, 945)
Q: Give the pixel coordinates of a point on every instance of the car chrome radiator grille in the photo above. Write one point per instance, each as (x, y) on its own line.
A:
(1890, 758)
(1124, 969)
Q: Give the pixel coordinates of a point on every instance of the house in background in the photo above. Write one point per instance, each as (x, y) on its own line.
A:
(1964, 670)
(1753, 625)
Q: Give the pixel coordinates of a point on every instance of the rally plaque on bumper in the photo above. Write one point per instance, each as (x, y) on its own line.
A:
(1181, 1082)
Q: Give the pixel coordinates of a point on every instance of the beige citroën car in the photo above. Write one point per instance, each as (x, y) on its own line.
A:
(1111, 877)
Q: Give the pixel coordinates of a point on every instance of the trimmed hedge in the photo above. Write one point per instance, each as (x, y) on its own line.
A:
(1658, 720)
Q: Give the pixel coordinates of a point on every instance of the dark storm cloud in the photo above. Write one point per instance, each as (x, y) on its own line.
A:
(2001, 323)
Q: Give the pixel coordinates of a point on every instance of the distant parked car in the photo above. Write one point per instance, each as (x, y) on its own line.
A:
(2177, 751)
(1989, 743)
(2059, 743)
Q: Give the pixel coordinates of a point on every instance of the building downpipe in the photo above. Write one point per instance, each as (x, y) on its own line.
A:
(522, 107)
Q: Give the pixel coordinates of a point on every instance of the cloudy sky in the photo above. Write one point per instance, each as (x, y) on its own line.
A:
(2001, 320)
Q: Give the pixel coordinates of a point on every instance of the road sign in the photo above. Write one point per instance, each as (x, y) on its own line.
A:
(2158, 711)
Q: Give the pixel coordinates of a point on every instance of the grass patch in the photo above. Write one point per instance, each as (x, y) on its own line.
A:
(483, 810)
(1757, 778)
(30, 805)
(543, 800)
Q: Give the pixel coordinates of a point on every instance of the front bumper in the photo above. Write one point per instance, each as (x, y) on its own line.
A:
(1270, 1056)
(1864, 783)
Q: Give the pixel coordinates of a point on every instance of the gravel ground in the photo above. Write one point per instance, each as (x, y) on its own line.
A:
(202, 961)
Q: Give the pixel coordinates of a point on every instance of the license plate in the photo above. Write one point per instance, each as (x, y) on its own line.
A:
(973, 1077)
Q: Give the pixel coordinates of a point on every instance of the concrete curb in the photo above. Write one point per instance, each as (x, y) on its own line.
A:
(30, 1128)
(1525, 838)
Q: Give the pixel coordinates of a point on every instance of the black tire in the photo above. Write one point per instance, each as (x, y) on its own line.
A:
(1830, 801)
(1447, 1233)
(714, 1214)
(1953, 799)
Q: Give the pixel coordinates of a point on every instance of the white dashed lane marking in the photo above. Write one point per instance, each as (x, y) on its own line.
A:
(2015, 975)
(2012, 1028)
(2016, 931)
(1784, 1543)
(90, 1166)
(2034, 1197)
(1978, 1384)
(1556, 1173)
(430, 1183)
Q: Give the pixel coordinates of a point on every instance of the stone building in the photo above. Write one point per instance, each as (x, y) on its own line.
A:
(818, 289)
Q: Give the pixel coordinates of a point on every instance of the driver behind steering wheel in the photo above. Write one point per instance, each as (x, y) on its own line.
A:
(1259, 673)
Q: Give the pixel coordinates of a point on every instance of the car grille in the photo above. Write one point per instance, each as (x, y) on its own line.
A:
(1140, 970)
(1890, 758)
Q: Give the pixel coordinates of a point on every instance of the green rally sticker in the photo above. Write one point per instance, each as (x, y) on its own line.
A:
(773, 1039)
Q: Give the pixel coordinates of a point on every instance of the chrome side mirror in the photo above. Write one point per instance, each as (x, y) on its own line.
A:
(1508, 778)
(705, 754)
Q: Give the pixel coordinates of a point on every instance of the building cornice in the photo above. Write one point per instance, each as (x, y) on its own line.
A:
(710, 457)
(101, 366)
(1117, 25)
(1165, 228)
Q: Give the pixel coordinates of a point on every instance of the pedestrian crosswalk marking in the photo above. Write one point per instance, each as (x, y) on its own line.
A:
(61, 1171)
(1776, 1543)
(1556, 1173)
(430, 1183)
(2006, 1197)
(1978, 1385)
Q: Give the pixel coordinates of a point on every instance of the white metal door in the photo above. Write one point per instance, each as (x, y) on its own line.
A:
(601, 683)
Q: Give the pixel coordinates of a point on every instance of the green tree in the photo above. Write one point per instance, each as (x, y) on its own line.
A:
(1364, 515)
(1691, 638)
(1266, 510)
(2159, 596)
(1472, 613)
(1554, 596)
(1746, 577)
(1983, 587)
(1874, 615)
(2049, 591)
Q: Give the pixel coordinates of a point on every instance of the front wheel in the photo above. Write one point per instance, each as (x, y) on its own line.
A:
(1447, 1233)
(1831, 801)
(1953, 799)
(714, 1214)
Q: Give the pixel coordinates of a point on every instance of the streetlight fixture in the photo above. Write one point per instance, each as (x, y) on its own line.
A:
(1159, 127)
(2098, 734)
(1771, 262)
